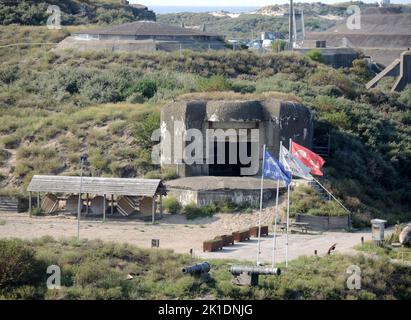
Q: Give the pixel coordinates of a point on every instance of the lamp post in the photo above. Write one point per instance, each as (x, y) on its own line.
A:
(83, 161)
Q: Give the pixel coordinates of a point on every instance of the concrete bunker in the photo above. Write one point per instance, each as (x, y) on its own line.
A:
(243, 124)
(218, 172)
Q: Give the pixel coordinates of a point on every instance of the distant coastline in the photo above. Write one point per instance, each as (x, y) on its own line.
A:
(198, 9)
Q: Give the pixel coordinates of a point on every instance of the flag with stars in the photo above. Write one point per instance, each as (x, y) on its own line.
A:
(273, 169)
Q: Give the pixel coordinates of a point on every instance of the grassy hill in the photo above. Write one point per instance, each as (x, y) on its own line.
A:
(246, 26)
(54, 106)
(74, 12)
(97, 270)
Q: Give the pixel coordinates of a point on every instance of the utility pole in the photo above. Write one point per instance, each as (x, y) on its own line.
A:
(291, 25)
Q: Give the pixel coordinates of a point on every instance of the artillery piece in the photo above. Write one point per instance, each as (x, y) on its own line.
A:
(197, 269)
(248, 275)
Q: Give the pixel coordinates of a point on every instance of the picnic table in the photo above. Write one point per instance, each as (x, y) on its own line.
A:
(304, 226)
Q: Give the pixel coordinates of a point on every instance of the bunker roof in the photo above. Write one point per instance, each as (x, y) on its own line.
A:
(147, 28)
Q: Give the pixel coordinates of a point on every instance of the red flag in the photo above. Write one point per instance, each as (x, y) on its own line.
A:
(309, 158)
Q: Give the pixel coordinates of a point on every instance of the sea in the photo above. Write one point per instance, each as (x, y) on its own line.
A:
(199, 9)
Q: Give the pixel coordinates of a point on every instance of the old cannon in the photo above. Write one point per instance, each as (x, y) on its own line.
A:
(248, 275)
(197, 269)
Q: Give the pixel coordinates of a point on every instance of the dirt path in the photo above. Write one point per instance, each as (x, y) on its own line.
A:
(180, 235)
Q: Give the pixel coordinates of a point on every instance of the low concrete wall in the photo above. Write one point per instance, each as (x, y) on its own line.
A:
(183, 196)
(107, 45)
(205, 197)
(236, 196)
(324, 222)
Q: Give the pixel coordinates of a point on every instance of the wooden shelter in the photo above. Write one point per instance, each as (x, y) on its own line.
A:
(147, 189)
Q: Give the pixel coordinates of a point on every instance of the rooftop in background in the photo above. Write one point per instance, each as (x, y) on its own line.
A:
(147, 28)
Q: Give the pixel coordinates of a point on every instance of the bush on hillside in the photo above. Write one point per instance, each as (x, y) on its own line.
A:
(147, 88)
(214, 83)
(18, 264)
(144, 128)
(306, 200)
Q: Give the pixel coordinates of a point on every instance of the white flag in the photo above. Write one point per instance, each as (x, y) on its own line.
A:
(295, 166)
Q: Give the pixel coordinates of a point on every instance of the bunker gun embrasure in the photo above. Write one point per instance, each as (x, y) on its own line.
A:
(197, 269)
(248, 275)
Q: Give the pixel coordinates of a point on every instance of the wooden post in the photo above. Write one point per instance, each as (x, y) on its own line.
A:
(38, 199)
(30, 209)
(154, 210)
(161, 205)
(87, 202)
(112, 204)
(104, 208)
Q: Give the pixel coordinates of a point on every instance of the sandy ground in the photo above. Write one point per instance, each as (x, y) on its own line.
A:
(181, 235)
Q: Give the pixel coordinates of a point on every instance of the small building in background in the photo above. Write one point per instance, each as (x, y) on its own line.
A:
(143, 36)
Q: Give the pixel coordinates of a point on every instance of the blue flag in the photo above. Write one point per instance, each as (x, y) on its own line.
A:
(273, 169)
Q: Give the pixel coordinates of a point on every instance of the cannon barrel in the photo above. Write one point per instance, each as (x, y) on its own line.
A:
(197, 268)
(237, 270)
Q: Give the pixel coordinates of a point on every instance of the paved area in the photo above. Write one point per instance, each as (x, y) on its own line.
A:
(299, 245)
(181, 235)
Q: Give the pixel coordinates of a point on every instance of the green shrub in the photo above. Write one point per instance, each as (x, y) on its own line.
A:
(169, 174)
(243, 87)
(147, 88)
(172, 205)
(92, 272)
(228, 206)
(37, 211)
(209, 209)
(10, 141)
(144, 128)
(278, 45)
(315, 55)
(18, 264)
(155, 174)
(214, 83)
(136, 97)
(192, 211)
(306, 200)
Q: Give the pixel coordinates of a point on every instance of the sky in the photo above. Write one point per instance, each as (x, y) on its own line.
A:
(236, 3)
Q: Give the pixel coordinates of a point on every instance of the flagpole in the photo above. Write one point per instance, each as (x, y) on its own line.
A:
(288, 214)
(275, 224)
(276, 214)
(261, 208)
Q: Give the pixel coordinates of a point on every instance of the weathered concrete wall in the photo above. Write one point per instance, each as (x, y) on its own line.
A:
(183, 196)
(405, 72)
(131, 45)
(324, 222)
(276, 120)
(110, 45)
(205, 197)
(236, 196)
(335, 57)
(400, 68)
